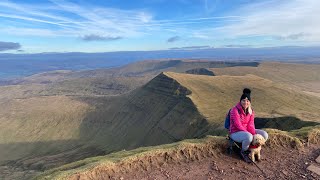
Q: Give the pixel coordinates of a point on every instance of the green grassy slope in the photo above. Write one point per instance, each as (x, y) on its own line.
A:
(34, 126)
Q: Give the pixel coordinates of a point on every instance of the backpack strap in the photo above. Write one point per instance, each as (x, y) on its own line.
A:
(230, 113)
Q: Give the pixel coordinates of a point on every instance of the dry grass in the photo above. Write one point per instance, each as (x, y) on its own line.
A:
(309, 134)
(305, 77)
(279, 138)
(214, 95)
(36, 121)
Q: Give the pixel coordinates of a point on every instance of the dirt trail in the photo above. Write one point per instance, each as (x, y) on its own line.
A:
(277, 164)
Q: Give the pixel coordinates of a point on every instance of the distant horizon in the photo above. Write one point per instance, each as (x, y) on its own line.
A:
(187, 48)
(40, 26)
(19, 65)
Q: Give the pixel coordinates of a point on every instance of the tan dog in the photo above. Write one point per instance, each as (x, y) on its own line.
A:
(255, 147)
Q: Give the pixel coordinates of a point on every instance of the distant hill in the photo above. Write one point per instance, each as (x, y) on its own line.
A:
(303, 77)
(21, 65)
(200, 71)
(110, 81)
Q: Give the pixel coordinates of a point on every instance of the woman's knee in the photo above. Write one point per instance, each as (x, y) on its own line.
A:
(262, 133)
(249, 137)
(242, 136)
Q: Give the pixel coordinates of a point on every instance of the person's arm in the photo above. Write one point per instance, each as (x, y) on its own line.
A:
(235, 119)
(251, 127)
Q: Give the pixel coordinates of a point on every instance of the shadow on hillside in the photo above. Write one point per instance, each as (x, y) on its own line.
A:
(286, 123)
(55, 153)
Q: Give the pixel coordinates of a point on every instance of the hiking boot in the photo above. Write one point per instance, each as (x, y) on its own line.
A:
(245, 156)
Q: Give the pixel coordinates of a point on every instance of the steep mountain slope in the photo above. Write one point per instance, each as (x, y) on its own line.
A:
(60, 125)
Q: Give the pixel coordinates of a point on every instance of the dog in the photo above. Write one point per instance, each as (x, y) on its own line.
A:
(255, 147)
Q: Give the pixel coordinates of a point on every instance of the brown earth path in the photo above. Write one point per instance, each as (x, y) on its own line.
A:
(277, 164)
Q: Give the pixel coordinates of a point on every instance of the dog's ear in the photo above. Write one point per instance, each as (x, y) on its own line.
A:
(262, 141)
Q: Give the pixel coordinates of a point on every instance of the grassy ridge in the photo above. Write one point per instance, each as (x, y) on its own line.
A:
(156, 156)
(214, 95)
(301, 76)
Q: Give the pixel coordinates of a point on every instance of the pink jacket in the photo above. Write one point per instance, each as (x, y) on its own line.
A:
(241, 122)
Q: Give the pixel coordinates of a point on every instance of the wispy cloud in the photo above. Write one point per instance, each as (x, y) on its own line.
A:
(4, 46)
(237, 46)
(190, 48)
(292, 36)
(173, 39)
(285, 21)
(93, 37)
(77, 20)
(293, 20)
(88, 19)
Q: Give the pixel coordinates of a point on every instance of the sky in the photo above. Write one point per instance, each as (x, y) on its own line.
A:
(38, 26)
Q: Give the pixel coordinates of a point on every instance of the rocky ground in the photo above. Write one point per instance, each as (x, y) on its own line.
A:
(281, 163)
(276, 164)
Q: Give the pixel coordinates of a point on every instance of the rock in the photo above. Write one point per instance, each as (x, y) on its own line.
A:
(121, 178)
(285, 172)
(302, 176)
(315, 169)
(318, 159)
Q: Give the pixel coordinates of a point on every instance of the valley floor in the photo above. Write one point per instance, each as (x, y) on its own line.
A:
(276, 164)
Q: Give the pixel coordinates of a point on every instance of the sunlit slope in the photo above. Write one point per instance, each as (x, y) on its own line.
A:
(306, 77)
(36, 125)
(214, 95)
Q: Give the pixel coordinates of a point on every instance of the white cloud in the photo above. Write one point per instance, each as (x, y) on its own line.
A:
(293, 20)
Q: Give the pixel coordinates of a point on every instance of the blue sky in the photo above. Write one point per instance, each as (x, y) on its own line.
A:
(35, 26)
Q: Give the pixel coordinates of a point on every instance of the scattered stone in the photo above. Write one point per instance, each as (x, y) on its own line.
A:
(318, 159)
(306, 163)
(285, 172)
(167, 175)
(314, 169)
(303, 176)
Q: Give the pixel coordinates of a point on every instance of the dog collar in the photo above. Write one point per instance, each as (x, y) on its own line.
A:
(253, 147)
